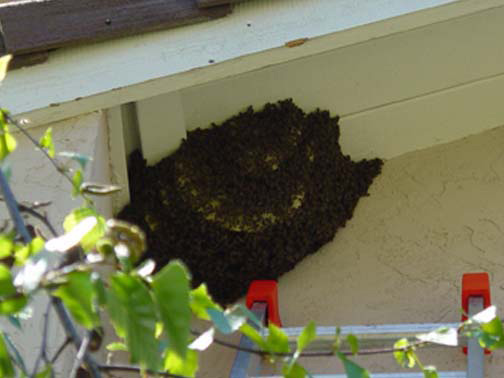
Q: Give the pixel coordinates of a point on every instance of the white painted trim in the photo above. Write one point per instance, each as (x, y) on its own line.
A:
(161, 124)
(118, 164)
(365, 76)
(423, 122)
(115, 72)
(100, 170)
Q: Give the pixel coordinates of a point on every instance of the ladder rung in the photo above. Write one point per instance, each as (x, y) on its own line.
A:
(374, 329)
(370, 336)
(441, 374)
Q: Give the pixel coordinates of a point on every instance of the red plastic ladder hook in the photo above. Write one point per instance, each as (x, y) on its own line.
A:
(475, 285)
(265, 291)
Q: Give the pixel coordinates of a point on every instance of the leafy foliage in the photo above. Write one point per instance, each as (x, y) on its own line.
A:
(171, 293)
(175, 364)
(354, 343)
(6, 366)
(7, 141)
(10, 300)
(77, 180)
(24, 252)
(46, 142)
(353, 370)
(79, 296)
(200, 301)
(133, 314)
(89, 241)
(404, 353)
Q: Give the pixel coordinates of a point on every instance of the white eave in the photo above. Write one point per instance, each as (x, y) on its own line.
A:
(256, 35)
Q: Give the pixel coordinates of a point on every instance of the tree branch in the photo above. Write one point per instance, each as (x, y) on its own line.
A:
(18, 126)
(13, 208)
(327, 353)
(72, 333)
(40, 217)
(43, 351)
(60, 350)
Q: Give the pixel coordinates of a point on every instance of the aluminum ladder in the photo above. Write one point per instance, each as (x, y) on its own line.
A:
(262, 300)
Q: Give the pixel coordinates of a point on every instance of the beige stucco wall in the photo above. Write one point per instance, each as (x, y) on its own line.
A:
(35, 179)
(431, 216)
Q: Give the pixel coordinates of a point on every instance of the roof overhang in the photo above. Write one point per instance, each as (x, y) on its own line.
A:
(256, 35)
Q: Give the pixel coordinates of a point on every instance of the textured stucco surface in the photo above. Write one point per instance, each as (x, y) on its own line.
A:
(432, 215)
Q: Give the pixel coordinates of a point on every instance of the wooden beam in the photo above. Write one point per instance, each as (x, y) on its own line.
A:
(161, 123)
(42, 25)
(118, 164)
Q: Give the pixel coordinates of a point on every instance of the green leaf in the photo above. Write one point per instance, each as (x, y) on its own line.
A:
(6, 246)
(46, 373)
(492, 336)
(13, 304)
(254, 335)
(6, 367)
(405, 357)
(187, 367)
(277, 340)
(293, 371)
(306, 337)
(200, 301)
(430, 372)
(78, 296)
(76, 216)
(337, 340)
(133, 315)
(99, 289)
(352, 369)
(4, 64)
(354, 343)
(159, 330)
(10, 300)
(46, 142)
(171, 291)
(7, 141)
(32, 248)
(6, 286)
(79, 158)
(116, 346)
(77, 182)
